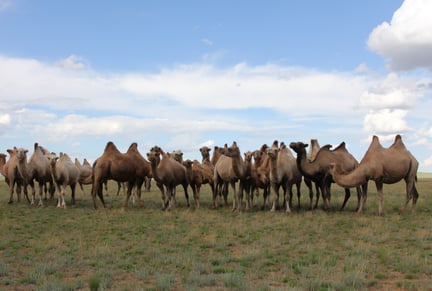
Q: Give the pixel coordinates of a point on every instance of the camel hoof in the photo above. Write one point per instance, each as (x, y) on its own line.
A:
(10, 201)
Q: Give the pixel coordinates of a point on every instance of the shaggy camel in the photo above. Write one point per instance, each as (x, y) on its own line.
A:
(384, 166)
(242, 171)
(198, 174)
(207, 166)
(318, 169)
(41, 172)
(142, 166)
(311, 154)
(169, 173)
(116, 166)
(17, 172)
(283, 172)
(64, 173)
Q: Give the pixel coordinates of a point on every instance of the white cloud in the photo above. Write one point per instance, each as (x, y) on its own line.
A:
(72, 62)
(386, 121)
(5, 119)
(407, 40)
(362, 68)
(427, 162)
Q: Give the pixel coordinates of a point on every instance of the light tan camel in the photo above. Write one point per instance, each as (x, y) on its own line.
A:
(384, 166)
(318, 170)
(311, 154)
(169, 173)
(220, 187)
(17, 172)
(283, 172)
(261, 174)
(86, 170)
(223, 176)
(113, 165)
(41, 172)
(207, 167)
(242, 172)
(64, 173)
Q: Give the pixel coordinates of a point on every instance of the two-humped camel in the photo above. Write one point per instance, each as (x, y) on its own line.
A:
(85, 177)
(64, 173)
(261, 174)
(17, 172)
(114, 165)
(242, 169)
(384, 166)
(169, 173)
(220, 187)
(200, 173)
(311, 154)
(283, 172)
(318, 170)
(41, 172)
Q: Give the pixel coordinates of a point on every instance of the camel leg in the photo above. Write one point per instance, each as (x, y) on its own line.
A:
(185, 186)
(298, 195)
(379, 186)
(11, 190)
(100, 194)
(235, 202)
(41, 185)
(275, 197)
(288, 197)
(73, 187)
(347, 197)
(197, 195)
(317, 190)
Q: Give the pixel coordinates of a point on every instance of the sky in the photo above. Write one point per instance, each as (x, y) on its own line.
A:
(183, 74)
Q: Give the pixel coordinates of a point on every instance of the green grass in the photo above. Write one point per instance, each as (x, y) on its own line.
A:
(80, 248)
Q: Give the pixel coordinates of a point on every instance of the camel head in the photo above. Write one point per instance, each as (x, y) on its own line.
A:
(205, 152)
(153, 157)
(21, 153)
(188, 163)
(52, 158)
(299, 147)
(232, 151)
(273, 153)
(248, 156)
(257, 155)
(177, 155)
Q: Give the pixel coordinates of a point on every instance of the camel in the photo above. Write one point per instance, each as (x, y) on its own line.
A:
(318, 169)
(242, 172)
(143, 169)
(283, 172)
(221, 187)
(64, 173)
(207, 166)
(198, 174)
(261, 174)
(41, 172)
(224, 174)
(86, 170)
(116, 166)
(384, 166)
(311, 154)
(169, 173)
(17, 172)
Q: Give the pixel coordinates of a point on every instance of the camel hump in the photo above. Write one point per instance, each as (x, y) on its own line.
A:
(326, 147)
(110, 147)
(275, 144)
(133, 147)
(342, 146)
(36, 145)
(264, 147)
(398, 142)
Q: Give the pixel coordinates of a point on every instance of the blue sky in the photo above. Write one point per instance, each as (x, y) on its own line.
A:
(182, 74)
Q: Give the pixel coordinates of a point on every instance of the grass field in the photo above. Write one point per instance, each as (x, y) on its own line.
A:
(80, 248)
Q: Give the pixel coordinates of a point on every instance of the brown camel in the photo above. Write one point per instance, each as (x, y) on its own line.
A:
(207, 166)
(283, 172)
(198, 174)
(318, 169)
(41, 172)
(384, 166)
(113, 165)
(143, 169)
(64, 173)
(169, 173)
(311, 154)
